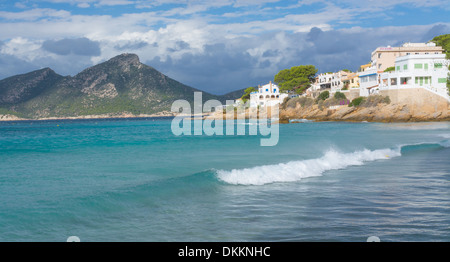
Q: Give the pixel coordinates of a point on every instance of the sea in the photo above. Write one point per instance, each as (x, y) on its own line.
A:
(134, 180)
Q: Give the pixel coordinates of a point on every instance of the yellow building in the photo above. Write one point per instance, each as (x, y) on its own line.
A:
(351, 80)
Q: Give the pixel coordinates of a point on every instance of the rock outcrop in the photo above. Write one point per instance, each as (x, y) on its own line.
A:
(394, 112)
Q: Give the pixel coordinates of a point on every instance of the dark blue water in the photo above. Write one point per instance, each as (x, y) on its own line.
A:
(133, 180)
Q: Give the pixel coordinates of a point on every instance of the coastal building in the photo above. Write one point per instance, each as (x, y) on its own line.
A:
(267, 95)
(330, 81)
(368, 80)
(429, 71)
(350, 81)
(384, 57)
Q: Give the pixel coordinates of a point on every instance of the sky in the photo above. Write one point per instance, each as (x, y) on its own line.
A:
(216, 46)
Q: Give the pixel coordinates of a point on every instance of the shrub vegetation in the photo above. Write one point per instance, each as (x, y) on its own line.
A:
(370, 101)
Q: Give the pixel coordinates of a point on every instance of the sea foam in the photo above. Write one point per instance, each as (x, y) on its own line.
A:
(297, 170)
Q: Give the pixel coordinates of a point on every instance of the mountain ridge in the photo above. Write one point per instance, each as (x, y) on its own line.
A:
(121, 85)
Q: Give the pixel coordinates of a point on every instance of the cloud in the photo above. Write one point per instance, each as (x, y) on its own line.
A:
(436, 30)
(132, 45)
(11, 65)
(34, 14)
(205, 58)
(178, 46)
(79, 46)
(218, 46)
(88, 3)
(83, 5)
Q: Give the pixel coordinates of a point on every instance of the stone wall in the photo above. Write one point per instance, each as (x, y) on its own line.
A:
(417, 99)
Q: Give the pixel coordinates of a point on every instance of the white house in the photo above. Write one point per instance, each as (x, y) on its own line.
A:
(428, 71)
(368, 81)
(332, 81)
(267, 95)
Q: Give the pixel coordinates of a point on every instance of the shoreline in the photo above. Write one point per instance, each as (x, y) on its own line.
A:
(394, 113)
(11, 118)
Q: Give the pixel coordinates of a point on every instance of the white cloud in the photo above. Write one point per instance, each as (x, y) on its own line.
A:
(34, 14)
(88, 3)
(240, 43)
(84, 5)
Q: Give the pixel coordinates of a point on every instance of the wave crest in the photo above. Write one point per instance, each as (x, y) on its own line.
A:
(297, 170)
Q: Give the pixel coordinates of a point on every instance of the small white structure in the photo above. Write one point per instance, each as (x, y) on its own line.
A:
(267, 95)
(429, 71)
(368, 81)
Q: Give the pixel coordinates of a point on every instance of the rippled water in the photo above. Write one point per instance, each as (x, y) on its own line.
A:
(133, 180)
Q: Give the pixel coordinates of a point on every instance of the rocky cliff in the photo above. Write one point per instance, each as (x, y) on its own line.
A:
(382, 112)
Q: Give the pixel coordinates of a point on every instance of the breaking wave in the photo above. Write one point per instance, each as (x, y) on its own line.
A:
(331, 160)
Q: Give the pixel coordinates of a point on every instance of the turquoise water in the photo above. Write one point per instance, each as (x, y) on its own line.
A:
(133, 180)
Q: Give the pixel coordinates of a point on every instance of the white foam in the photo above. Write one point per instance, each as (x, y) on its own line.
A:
(297, 170)
(445, 143)
(303, 120)
(447, 136)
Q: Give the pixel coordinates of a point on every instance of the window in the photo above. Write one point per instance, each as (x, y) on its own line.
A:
(379, 66)
(267, 90)
(408, 53)
(398, 68)
(418, 66)
(379, 55)
(442, 80)
(425, 66)
(420, 80)
(438, 65)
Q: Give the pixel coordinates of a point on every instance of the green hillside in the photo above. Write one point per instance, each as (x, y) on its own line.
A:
(120, 85)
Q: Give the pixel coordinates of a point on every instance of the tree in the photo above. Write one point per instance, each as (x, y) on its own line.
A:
(296, 77)
(246, 96)
(444, 41)
(448, 82)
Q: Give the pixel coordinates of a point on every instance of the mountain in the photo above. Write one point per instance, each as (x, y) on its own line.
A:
(232, 95)
(120, 85)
